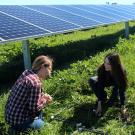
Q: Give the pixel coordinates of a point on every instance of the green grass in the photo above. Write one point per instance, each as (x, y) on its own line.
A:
(73, 99)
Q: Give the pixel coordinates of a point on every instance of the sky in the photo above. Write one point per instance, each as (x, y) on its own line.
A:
(56, 2)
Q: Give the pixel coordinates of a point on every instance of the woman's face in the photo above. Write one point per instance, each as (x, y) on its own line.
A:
(107, 65)
(46, 70)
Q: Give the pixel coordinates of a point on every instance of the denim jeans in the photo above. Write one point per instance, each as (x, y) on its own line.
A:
(36, 123)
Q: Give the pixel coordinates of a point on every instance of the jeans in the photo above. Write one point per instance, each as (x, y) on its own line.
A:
(36, 123)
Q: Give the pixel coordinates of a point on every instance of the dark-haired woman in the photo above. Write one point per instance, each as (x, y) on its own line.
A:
(110, 73)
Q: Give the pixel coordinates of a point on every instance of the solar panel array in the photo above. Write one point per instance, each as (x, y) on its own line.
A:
(22, 22)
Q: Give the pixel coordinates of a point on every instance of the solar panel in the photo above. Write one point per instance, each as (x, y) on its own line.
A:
(110, 8)
(106, 13)
(17, 22)
(122, 11)
(128, 8)
(11, 28)
(47, 22)
(23, 22)
(90, 15)
(82, 21)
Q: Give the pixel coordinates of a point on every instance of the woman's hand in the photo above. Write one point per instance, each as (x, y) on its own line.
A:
(48, 98)
(123, 109)
(125, 114)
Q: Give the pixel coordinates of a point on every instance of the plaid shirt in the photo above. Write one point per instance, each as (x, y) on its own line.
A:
(26, 99)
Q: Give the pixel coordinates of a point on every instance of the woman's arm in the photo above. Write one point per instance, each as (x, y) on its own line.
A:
(122, 96)
(38, 99)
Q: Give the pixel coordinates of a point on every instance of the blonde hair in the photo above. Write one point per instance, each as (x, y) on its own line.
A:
(39, 61)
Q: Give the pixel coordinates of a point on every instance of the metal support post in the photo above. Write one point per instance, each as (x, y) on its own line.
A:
(127, 30)
(26, 54)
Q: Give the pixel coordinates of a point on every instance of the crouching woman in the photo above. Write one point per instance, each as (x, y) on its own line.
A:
(110, 73)
(26, 99)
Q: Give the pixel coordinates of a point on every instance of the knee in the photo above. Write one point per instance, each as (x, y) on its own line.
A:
(37, 124)
(92, 81)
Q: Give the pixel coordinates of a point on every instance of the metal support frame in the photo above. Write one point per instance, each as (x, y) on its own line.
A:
(26, 54)
(127, 30)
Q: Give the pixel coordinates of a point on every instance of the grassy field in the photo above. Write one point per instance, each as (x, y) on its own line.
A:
(77, 56)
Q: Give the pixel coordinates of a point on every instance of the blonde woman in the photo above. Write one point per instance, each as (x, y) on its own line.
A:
(26, 99)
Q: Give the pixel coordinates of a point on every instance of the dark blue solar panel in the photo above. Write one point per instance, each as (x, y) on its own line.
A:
(66, 16)
(90, 15)
(42, 20)
(121, 11)
(17, 22)
(11, 28)
(110, 8)
(102, 12)
(128, 9)
(131, 8)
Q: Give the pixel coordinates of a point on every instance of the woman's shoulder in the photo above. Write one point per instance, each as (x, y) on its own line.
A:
(32, 78)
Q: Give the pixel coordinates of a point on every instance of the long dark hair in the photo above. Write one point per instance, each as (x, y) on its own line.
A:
(118, 70)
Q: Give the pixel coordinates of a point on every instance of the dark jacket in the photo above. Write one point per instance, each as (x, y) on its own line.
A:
(105, 78)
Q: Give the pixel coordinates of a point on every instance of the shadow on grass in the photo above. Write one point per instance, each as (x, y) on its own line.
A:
(82, 114)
